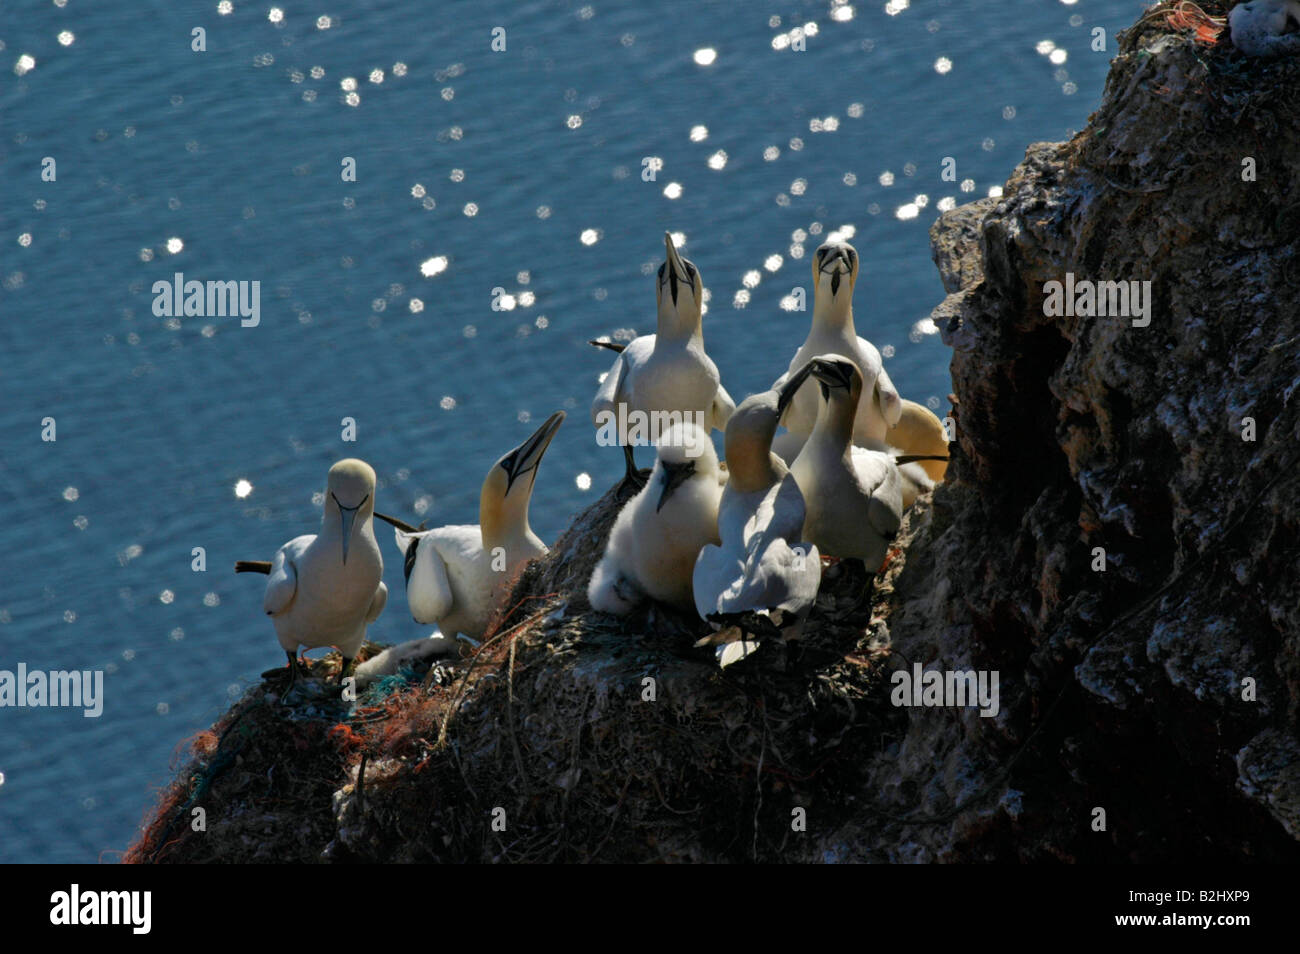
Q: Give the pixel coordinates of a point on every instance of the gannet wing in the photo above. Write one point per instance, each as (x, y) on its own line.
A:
(886, 397)
(282, 582)
(723, 407)
(885, 509)
(377, 603)
(611, 390)
(717, 576)
(428, 590)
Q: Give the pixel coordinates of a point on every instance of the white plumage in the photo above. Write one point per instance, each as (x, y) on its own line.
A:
(853, 495)
(668, 371)
(455, 575)
(835, 272)
(322, 589)
(761, 571)
(658, 534)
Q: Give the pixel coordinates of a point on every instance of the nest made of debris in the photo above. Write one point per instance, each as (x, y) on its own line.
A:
(567, 735)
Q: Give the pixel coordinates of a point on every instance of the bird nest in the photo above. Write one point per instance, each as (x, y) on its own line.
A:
(568, 735)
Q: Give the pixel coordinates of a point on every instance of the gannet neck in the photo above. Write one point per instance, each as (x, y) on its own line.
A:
(503, 520)
(834, 312)
(835, 419)
(750, 462)
(679, 324)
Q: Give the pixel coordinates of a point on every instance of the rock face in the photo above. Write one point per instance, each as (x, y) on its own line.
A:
(1162, 689)
(1117, 539)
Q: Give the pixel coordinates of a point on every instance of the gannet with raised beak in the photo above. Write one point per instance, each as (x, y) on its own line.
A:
(667, 372)
(835, 273)
(324, 588)
(853, 495)
(658, 534)
(761, 579)
(455, 575)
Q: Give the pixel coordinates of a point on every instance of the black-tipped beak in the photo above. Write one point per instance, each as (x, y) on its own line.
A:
(525, 458)
(832, 374)
(674, 476)
(791, 388)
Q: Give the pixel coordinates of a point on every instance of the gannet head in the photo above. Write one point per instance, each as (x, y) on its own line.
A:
(684, 451)
(349, 493)
(680, 291)
(509, 484)
(749, 434)
(835, 272)
(838, 376)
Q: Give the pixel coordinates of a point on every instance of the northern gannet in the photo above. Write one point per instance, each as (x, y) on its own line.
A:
(324, 588)
(658, 534)
(853, 495)
(761, 580)
(667, 373)
(835, 272)
(455, 575)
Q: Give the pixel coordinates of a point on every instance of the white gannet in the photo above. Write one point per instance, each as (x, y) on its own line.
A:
(324, 588)
(455, 575)
(835, 273)
(853, 495)
(761, 580)
(1266, 28)
(667, 372)
(658, 534)
(917, 444)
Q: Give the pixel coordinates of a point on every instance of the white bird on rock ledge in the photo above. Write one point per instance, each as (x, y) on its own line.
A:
(761, 580)
(455, 575)
(324, 588)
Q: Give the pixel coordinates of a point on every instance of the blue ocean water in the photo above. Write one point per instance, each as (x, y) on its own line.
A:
(511, 178)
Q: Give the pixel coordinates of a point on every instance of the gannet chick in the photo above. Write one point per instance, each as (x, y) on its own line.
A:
(658, 534)
(853, 495)
(835, 273)
(667, 373)
(761, 579)
(455, 575)
(1266, 28)
(324, 588)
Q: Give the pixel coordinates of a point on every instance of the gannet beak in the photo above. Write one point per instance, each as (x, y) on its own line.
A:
(831, 373)
(676, 268)
(525, 458)
(791, 387)
(829, 259)
(348, 517)
(674, 476)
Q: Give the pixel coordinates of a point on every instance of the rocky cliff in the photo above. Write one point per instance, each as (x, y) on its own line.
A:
(1117, 539)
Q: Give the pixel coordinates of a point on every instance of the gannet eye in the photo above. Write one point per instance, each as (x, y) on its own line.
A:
(690, 270)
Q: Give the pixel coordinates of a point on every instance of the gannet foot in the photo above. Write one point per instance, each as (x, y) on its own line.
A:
(294, 669)
(633, 479)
